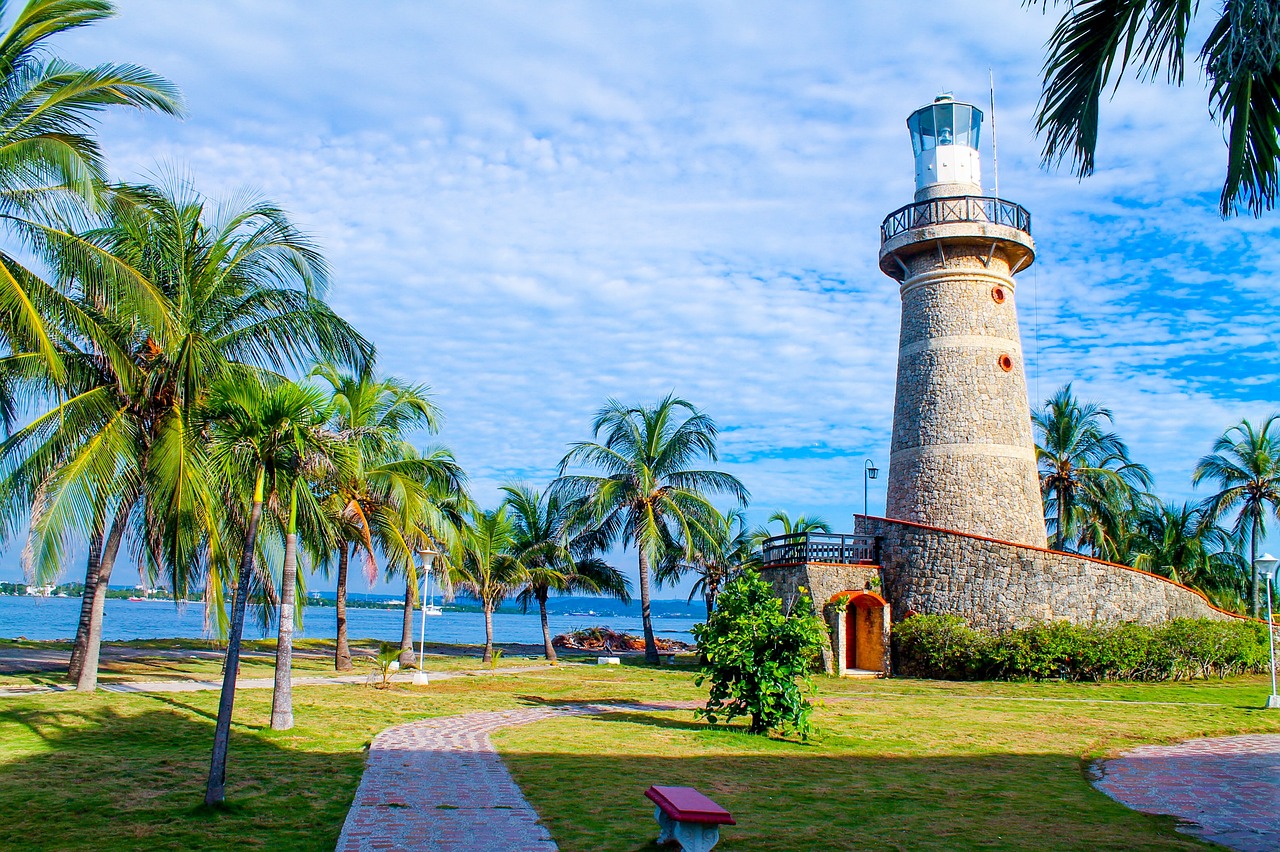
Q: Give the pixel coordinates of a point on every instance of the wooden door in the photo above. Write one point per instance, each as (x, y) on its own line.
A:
(851, 638)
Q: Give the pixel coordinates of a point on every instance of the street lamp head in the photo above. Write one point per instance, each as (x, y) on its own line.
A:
(1266, 564)
(872, 470)
(428, 556)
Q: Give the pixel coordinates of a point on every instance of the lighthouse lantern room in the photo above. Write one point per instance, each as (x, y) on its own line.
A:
(944, 136)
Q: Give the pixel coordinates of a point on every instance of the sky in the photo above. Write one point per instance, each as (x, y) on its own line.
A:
(535, 207)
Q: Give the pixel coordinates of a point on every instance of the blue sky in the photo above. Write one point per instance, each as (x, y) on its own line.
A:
(533, 207)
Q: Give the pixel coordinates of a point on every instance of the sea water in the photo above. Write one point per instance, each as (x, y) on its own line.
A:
(56, 618)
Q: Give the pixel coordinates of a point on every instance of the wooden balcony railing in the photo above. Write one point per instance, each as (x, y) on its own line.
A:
(821, 547)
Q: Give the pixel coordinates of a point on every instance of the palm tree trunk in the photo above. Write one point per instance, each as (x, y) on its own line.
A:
(1253, 567)
(1062, 517)
(216, 789)
(406, 628)
(86, 600)
(342, 657)
(87, 680)
(282, 694)
(546, 629)
(650, 646)
(488, 633)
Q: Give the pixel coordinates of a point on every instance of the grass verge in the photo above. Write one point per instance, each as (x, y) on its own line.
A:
(897, 764)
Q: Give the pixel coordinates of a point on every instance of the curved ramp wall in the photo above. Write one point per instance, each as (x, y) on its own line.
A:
(998, 585)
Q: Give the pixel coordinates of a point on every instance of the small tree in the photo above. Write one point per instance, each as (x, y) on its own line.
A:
(758, 658)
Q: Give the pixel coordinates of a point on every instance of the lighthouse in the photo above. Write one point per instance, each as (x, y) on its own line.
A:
(963, 453)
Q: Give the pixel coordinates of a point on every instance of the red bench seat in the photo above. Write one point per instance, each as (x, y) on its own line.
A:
(685, 804)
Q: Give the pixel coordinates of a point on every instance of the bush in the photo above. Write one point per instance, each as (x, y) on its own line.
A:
(758, 658)
(945, 647)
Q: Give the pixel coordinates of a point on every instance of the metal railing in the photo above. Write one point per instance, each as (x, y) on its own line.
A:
(821, 547)
(963, 208)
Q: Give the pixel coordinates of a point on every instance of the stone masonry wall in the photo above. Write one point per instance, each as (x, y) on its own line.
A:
(997, 585)
(823, 582)
(963, 453)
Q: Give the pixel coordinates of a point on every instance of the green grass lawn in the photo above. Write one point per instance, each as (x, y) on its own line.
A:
(196, 659)
(897, 764)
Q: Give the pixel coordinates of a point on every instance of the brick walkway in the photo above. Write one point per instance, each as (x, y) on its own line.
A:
(1228, 789)
(438, 785)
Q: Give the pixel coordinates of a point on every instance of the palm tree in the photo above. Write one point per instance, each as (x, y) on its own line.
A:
(256, 433)
(1109, 517)
(546, 533)
(720, 550)
(429, 512)
(52, 172)
(1096, 39)
(1175, 541)
(802, 524)
(393, 489)
(1076, 454)
(117, 452)
(647, 495)
(318, 454)
(486, 565)
(1245, 465)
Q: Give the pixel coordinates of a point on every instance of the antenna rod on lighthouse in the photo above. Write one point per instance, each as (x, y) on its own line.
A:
(995, 151)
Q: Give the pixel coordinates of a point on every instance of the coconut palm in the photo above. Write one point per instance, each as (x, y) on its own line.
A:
(1076, 454)
(1108, 517)
(646, 493)
(428, 513)
(1245, 466)
(394, 490)
(317, 455)
(117, 453)
(257, 433)
(1097, 41)
(548, 540)
(52, 174)
(719, 550)
(486, 565)
(802, 524)
(1175, 541)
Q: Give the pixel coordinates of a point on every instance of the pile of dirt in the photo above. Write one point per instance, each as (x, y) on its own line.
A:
(604, 639)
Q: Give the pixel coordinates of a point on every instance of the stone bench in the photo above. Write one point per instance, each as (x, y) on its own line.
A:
(687, 817)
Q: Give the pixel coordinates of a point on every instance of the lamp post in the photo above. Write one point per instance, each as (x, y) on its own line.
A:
(428, 558)
(1266, 566)
(869, 471)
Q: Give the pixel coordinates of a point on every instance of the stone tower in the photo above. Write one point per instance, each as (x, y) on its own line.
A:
(963, 454)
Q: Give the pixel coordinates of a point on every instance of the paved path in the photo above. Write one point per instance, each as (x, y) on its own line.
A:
(35, 660)
(253, 682)
(1228, 788)
(438, 785)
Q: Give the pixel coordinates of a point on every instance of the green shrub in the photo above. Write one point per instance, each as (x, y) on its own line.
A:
(939, 646)
(945, 647)
(759, 658)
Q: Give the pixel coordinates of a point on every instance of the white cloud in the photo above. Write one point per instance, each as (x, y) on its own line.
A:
(534, 207)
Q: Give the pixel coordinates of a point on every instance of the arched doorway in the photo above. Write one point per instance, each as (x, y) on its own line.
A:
(865, 623)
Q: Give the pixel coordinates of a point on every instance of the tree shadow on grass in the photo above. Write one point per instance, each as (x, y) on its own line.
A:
(542, 701)
(167, 699)
(632, 717)
(791, 801)
(101, 779)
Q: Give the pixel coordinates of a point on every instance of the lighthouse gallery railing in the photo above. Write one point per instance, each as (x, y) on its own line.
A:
(820, 547)
(964, 208)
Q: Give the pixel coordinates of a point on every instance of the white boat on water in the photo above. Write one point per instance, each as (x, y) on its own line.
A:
(431, 608)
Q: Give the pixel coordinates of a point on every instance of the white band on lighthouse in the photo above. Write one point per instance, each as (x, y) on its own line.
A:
(961, 341)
